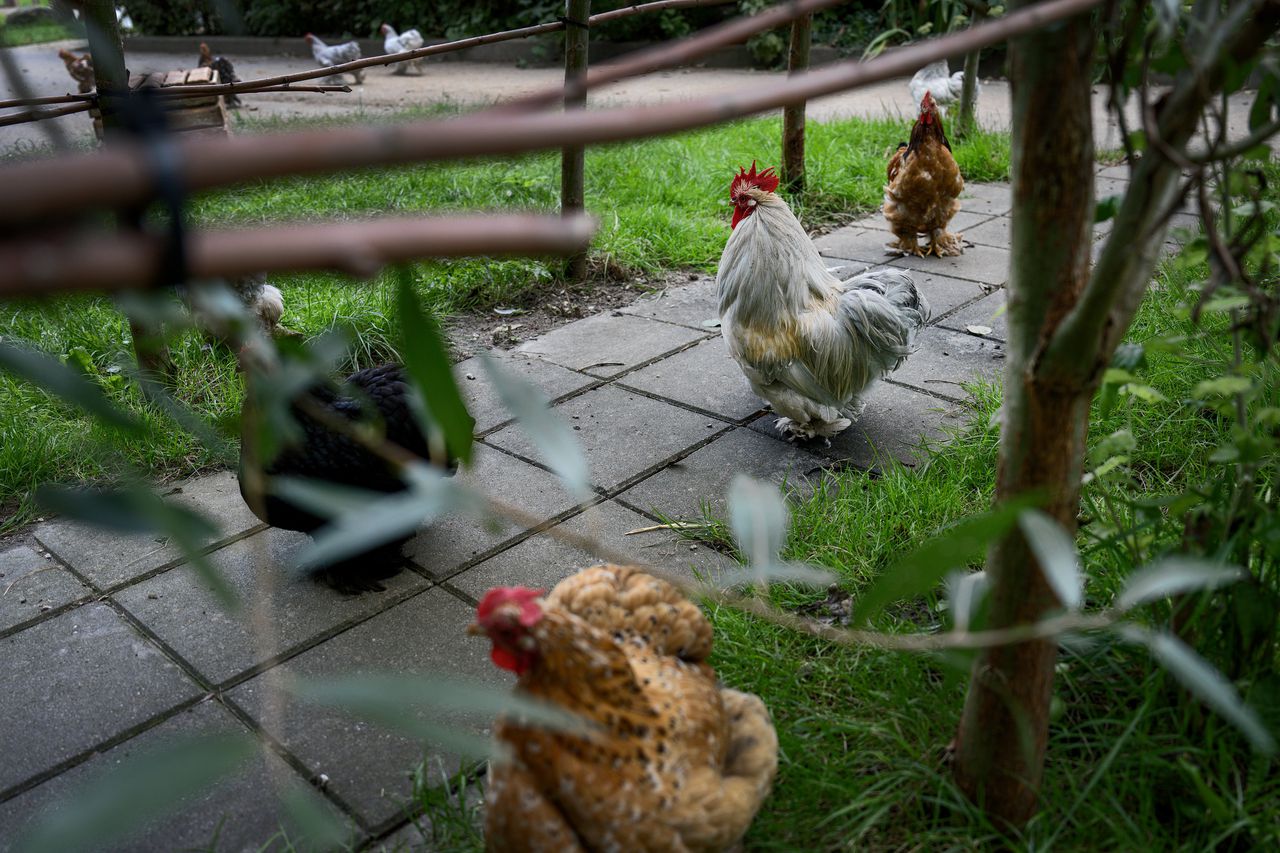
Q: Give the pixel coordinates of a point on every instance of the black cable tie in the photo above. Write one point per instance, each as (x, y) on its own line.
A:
(570, 22)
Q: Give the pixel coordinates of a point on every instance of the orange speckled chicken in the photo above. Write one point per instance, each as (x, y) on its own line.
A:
(80, 68)
(676, 763)
(924, 188)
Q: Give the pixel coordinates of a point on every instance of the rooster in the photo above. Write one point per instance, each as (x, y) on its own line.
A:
(323, 453)
(670, 761)
(808, 343)
(80, 68)
(399, 43)
(226, 71)
(924, 186)
(327, 56)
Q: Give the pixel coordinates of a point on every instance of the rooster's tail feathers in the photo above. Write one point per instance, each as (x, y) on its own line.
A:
(898, 288)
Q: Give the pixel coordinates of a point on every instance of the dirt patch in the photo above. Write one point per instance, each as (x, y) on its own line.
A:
(538, 313)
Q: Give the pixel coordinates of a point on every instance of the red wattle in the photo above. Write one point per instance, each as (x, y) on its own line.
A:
(739, 214)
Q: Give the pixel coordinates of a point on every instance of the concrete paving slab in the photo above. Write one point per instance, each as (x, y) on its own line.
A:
(892, 426)
(688, 305)
(993, 199)
(705, 376)
(1107, 187)
(856, 244)
(944, 360)
(240, 813)
(31, 585)
(622, 433)
(945, 293)
(1120, 172)
(989, 311)
(985, 264)
(607, 344)
(76, 680)
(543, 561)
(993, 232)
(108, 558)
(482, 400)
(181, 608)
(368, 765)
(679, 490)
(962, 221)
(454, 540)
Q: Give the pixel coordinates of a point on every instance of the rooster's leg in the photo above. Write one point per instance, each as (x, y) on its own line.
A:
(906, 243)
(943, 244)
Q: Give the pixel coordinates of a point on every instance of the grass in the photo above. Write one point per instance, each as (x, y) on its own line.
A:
(16, 36)
(662, 205)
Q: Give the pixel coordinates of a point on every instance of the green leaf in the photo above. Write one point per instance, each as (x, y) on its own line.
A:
(138, 510)
(1129, 357)
(138, 790)
(427, 363)
(378, 518)
(555, 441)
(1203, 681)
(955, 547)
(1171, 576)
(54, 377)
(1223, 386)
(1145, 393)
(966, 592)
(1107, 208)
(759, 519)
(1223, 304)
(1056, 553)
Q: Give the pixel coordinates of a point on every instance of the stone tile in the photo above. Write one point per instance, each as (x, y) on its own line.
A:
(239, 812)
(607, 344)
(181, 608)
(1119, 173)
(962, 221)
(31, 585)
(368, 765)
(688, 305)
(991, 199)
(1107, 187)
(543, 561)
(856, 244)
(703, 477)
(985, 264)
(944, 293)
(1182, 225)
(705, 376)
(482, 400)
(107, 558)
(74, 681)
(892, 425)
(944, 359)
(453, 540)
(993, 232)
(621, 432)
(989, 311)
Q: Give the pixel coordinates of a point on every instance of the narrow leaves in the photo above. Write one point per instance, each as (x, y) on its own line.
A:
(1056, 553)
(1172, 576)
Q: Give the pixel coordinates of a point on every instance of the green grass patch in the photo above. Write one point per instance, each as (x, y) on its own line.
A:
(12, 35)
(662, 204)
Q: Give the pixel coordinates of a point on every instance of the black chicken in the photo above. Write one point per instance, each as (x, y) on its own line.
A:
(324, 454)
(226, 72)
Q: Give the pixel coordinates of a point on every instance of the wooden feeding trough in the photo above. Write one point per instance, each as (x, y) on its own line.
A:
(202, 114)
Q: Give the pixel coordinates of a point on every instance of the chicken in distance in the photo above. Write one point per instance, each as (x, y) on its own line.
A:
(809, 343)
(923, 191)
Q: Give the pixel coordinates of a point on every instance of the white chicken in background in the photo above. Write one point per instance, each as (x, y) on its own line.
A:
(937, 78)
(329, 55)
(809, 343)
(399, 43)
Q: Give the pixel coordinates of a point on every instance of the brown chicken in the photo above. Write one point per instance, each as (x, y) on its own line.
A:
(924, 186)
(80, 68)
(674, 762)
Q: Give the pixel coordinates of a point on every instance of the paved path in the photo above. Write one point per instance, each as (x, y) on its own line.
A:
(110, 645)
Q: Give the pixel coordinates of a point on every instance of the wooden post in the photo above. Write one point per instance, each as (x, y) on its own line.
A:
(793, 117)
(573, 159)
(112, 81)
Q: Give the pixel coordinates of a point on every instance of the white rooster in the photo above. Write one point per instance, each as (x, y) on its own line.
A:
(399, 43)
(327, 56)
(808, 343)
(937, 78)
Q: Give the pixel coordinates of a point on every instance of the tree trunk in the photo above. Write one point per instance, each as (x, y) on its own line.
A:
(1004, 728)
(793, 117)
(966, 118)
(573, 160)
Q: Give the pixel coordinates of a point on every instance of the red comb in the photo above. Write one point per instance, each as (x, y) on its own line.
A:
(521, 595)
(766, 180)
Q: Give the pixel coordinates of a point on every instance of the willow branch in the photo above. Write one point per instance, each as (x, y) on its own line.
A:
(40, 115)
(37, 265)
(47, 99)
(118, 176)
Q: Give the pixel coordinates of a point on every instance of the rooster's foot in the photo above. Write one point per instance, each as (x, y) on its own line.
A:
(945, 245)
(905, 246)
(794, 431)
